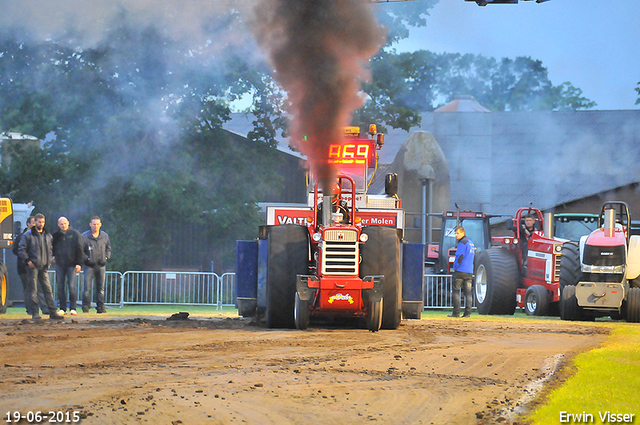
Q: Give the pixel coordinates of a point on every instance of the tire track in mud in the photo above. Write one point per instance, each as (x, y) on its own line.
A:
(229, 370)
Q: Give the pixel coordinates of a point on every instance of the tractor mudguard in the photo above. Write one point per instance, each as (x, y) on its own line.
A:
(377, 292)
(302, 287)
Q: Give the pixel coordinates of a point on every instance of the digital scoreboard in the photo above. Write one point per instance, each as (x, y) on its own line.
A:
(352, 152)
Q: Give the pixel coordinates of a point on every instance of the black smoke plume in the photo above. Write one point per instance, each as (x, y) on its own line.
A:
(319, 49)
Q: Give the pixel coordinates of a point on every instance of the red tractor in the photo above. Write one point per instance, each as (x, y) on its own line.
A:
(520, 272)
(607, 282)
(348, 260)
(440, 257)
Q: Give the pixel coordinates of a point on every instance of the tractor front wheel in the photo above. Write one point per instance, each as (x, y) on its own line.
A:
(301, 313)
(536, 301)
(3, 288)
(374, 315)
(496, 280)
(569, 308)
(287, 256)
(632, 305)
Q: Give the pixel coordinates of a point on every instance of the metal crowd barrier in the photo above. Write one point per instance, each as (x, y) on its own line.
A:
(438, 290)
(203, 288)
(113, 280)
(161, 287)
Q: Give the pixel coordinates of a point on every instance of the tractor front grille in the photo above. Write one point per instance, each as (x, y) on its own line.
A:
(340, 253)
(556, 268)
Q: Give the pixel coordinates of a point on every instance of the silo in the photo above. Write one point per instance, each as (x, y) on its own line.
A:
(464, 131)
(423, 183)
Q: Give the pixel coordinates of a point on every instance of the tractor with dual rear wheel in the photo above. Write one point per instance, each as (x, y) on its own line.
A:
(606, 279)
(339, 257)
(522, 270)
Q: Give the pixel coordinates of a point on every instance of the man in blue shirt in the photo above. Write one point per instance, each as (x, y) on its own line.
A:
(463, 273)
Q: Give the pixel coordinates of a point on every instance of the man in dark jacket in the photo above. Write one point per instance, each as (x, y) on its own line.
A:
(22, 271)
(97, 250)
(36, 251)
(68, 255)
(463, 273)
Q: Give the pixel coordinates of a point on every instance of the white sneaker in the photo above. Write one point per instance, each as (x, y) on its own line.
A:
(62, 312)
(73, 312)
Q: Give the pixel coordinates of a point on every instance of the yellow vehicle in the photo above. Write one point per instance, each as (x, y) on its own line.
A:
(6, 241)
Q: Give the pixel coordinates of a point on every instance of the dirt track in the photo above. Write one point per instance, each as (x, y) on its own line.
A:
(228, 370)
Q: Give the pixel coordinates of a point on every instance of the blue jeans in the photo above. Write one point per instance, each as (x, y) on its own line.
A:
(35, 278)
(89, 274)
(464, 281)
(27, 301)
(66, 276)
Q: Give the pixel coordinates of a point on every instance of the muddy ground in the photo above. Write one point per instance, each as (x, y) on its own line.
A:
(220, 370)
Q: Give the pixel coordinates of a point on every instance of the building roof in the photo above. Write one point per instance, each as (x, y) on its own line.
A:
(549, 158)
(462, 103)
(12, 135)
(502, 161)
(241, 123)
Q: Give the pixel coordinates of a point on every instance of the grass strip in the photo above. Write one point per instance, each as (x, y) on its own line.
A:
(161, 310)
(606, 380)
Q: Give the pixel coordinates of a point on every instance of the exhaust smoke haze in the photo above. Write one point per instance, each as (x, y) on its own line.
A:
(318, 49)
(87, 21)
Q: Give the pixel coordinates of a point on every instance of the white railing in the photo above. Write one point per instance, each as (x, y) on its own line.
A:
(203, 288)
(438, 291)
(112, 282)
(161, 287)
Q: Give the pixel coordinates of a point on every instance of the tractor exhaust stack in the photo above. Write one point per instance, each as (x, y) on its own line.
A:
(326, 209)
(549, 228)
(609, 222)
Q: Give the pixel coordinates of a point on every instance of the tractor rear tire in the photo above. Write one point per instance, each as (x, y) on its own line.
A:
(496, 281)
(536, 301)
(287, 256)
(570, 267)
(632, 305)
(3, 288)
(569, 308)
(381, 256)
(374, 315)
(301, 313)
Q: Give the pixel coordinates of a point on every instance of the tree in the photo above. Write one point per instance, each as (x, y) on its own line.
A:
(637, 89)
(403, 84)
(422, 81)
(133, 130)
(132, 127)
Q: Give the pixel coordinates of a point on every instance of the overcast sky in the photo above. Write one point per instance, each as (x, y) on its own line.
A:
(594, 44)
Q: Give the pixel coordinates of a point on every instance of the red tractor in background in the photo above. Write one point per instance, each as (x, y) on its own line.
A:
(476, 224)
(519, 273)
(607, 282)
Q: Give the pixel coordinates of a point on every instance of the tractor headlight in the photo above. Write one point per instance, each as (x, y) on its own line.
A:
(557, 248)
(364, 237)
(507, 241)
(316, 237)
(515, 241)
